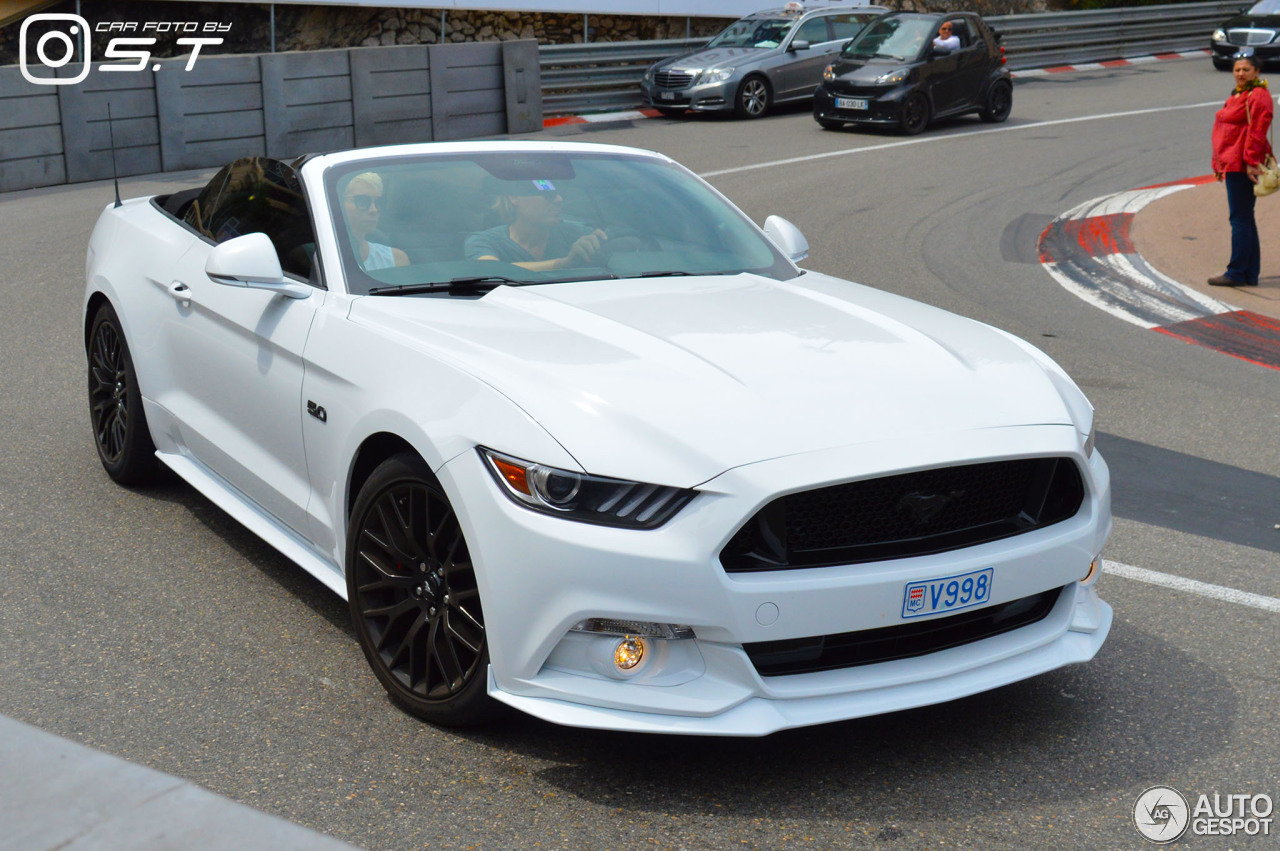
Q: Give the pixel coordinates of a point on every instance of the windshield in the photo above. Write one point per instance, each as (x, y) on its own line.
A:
(1266, 7)
(891, 38)
(755, 32)
(532, 218)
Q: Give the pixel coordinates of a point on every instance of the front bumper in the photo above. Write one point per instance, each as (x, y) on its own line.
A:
(1266, 53)
(540, 575)
(710, 97)
(883, 106)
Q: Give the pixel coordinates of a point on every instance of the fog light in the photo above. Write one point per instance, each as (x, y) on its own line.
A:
(1095, 568)
(628, 653)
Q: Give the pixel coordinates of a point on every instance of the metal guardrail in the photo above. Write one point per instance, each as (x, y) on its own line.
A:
(606, 75)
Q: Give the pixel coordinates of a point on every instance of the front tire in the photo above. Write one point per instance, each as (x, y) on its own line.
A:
(915, 114)
(753, 98)
(115, 404)
(414, 601)
(999, 102)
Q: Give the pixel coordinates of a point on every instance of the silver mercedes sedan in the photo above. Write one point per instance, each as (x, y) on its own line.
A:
(765, 58)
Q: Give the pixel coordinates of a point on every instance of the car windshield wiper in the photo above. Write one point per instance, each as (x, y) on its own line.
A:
(668, 273)
(473, 285)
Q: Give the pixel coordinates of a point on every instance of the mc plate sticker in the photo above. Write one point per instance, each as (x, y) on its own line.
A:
(948, 594)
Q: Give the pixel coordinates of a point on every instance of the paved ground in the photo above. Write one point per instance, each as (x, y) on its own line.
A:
(1186, 236)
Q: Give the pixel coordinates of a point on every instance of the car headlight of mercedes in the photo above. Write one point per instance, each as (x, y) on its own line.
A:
(715, 75)
(1219, 35)
(649, 72)
(898, 76)
(582, 497)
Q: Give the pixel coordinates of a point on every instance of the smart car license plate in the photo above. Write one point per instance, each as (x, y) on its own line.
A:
(851, 103)
(947, 594)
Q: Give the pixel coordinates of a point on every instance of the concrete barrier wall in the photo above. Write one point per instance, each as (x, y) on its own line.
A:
(280, 105)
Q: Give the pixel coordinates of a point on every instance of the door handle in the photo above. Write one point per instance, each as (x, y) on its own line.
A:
(181, 292)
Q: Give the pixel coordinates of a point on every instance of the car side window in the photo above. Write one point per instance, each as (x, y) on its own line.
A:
(813, 31)
(844, 27)
(961, 30)
(261, 195)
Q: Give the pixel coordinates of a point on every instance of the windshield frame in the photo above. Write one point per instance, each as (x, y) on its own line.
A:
(356, 281)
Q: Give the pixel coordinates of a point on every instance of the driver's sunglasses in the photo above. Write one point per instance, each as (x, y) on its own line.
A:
(364, 202)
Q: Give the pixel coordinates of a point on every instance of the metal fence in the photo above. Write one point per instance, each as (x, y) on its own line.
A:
(606, 75)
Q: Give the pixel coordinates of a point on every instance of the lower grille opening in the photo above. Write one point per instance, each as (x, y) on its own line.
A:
(869, 646)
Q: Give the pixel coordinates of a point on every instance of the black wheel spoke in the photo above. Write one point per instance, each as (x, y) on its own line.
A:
(425, 627)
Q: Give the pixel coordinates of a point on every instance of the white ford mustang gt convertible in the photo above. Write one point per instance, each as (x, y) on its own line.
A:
(570, 433)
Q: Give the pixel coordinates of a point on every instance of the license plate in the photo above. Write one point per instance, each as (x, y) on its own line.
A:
(947, 594)
(851, 103)
(666, 95)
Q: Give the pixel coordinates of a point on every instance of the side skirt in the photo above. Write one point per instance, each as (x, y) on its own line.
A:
(256, 520)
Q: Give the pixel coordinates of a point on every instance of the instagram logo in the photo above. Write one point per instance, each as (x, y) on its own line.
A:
(64, 50)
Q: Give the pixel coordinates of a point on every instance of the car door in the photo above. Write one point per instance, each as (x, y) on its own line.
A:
(800, 71)
(971, 64)
(941, 76)
(235, 353)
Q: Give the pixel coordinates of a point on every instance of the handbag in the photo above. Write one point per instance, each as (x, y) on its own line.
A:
(1269, 176)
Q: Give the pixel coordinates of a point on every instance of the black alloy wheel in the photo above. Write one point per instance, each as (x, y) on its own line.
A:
(115, 404)
(413, 596)
(915, 114)
(999, 102)
(753, 98)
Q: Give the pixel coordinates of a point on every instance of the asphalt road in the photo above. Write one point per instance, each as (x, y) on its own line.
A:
(150, 625)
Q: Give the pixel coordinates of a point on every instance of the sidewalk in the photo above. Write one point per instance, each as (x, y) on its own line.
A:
(56, 794)
(1187, 237)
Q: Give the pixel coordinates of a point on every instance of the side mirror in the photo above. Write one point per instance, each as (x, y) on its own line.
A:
(798, 44)
(787, 237)
(251, 261)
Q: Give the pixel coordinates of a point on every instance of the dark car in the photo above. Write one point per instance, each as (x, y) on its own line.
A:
(892, 74)
(1256, 29)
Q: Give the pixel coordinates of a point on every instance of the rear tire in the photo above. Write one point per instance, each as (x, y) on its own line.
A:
(753, 98)
(115, 404)
(414, 601)
(915, 114)
(999, 102)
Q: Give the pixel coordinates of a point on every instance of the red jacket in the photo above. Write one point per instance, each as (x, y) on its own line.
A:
(1236, 142)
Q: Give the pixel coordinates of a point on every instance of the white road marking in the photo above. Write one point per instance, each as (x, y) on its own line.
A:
(1192, 586)
(927, 139)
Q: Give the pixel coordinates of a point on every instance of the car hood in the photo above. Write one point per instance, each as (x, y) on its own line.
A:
(676, 380)
(714, 57)
(865, 71)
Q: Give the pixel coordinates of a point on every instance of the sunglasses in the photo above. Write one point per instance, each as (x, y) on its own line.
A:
(364, 202)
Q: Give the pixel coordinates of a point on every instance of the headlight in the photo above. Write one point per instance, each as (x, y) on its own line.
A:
(648, 74)
(829, 73)
(898, 76)
(715, 75)
(582, 497)
(1089, 441)
(1219, 35)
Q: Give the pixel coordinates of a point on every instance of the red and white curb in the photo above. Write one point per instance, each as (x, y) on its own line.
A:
(636, 114)
(1089, 252)
(1112, 63)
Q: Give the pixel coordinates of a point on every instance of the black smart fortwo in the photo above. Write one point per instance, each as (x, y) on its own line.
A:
(893, 74)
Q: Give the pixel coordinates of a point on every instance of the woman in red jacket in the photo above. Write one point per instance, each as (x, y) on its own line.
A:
(1239, 146)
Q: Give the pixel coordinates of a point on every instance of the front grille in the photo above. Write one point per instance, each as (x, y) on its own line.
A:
(850, 649)
(906, 515)
(1250, 36)
(672, 79)
(838, 87)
